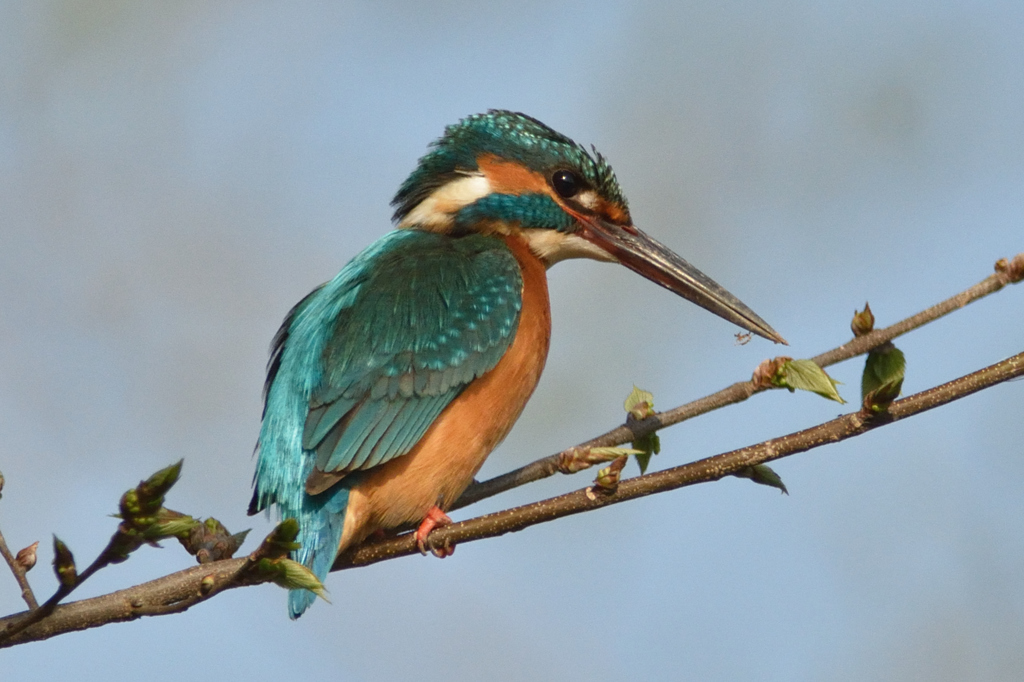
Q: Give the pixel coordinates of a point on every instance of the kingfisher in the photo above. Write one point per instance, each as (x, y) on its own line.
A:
(388, 386)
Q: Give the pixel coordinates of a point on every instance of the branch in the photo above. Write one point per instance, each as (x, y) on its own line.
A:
(180, 591)
(701, 471)
(1006, 272)
(18, 570)
(170, 594)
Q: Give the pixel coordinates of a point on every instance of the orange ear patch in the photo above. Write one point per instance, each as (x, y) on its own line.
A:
(508, 177)
(612, 212)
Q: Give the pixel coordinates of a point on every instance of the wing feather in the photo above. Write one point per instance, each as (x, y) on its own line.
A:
(433, 314)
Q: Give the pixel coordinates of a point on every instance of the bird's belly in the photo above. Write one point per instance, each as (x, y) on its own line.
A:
(442, 464)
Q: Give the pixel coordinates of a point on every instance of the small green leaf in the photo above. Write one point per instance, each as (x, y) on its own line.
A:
(161, 482)
(146, 499)
(763, 474)
(607, 480)
(613, 453)
(806, 375)
(64, 564)
(281, 540)
(170, 524)
(291, 575)
(640, 404)
(239, 538)
(882, 380)
(879, 400)
(648, 445)
(863, 321)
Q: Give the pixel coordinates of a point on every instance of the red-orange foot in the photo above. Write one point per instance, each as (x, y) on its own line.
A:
(435, 518)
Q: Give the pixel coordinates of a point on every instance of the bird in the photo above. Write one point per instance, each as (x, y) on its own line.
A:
(388, 386)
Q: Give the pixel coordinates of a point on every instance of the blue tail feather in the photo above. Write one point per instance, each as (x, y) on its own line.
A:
(320, 525)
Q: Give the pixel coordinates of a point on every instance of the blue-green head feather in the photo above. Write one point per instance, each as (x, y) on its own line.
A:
(516, 138)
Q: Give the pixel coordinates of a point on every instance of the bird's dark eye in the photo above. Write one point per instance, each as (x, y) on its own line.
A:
(566, 183)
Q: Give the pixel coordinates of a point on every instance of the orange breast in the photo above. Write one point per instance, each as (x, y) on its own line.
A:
(443, 463)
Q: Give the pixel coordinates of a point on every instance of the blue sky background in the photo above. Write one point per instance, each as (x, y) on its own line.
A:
(174, 176)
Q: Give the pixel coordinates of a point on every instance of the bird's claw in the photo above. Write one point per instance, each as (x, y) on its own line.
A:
(445, 550)
(435, 518)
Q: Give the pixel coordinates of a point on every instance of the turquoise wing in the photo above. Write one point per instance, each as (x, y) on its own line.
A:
(434, 314)
(363, 365)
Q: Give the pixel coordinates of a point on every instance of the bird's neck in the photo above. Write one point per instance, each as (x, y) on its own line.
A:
(531, 264)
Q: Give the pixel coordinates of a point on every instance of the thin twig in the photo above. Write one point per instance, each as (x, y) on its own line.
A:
(1007, 272)
(709, 469)
(19, 574)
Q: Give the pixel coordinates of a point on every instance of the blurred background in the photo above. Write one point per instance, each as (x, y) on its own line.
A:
(174, 176)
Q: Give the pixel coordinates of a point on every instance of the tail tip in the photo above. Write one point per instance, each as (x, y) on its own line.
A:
(298, 602)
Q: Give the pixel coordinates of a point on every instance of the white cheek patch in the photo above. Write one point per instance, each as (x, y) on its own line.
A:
(438, 210)
(552, 246)
(587, 199)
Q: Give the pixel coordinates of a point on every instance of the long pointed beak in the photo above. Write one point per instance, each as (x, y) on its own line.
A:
(655, 261)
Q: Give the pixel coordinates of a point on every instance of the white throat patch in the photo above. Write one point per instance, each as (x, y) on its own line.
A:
(552, 246)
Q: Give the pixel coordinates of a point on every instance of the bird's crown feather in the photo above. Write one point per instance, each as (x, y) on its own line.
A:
(510, 136)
